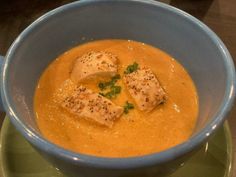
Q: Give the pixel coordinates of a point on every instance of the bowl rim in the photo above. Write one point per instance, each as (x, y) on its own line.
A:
(127, 162)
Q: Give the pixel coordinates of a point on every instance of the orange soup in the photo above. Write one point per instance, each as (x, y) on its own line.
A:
(134, 132)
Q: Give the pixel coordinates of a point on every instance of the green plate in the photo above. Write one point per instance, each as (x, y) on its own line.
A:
(19, 159)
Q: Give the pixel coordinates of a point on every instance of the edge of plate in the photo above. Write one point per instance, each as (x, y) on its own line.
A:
(228, 136)
(5, 125)
(229, 150)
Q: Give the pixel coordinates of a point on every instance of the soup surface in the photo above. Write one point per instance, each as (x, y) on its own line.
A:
(135, 132)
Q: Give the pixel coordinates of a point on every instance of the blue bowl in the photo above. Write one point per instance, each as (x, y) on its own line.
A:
(184, 37)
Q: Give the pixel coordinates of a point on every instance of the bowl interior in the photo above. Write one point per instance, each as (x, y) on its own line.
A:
(161, 27)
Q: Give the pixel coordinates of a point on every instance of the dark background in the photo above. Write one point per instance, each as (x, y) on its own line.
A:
(219, 15)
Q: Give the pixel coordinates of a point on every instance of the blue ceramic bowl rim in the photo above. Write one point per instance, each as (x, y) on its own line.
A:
(129, 162)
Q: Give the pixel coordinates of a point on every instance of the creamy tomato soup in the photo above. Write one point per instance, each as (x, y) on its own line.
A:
(134, 132)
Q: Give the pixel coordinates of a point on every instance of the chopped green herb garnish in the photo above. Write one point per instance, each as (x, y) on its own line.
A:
(105, 85)
(127, 107)
(115, 90)
(102, 86)
(114, 80)
(131, 68)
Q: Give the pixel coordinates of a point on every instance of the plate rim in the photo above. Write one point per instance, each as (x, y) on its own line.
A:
(229, 150)
(227, 131)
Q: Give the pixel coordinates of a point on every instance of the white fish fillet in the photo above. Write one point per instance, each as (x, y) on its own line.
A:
(93, 64)
(145, 89)
(87, 104)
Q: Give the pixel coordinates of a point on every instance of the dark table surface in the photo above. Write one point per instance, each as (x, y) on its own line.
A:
(219, 15)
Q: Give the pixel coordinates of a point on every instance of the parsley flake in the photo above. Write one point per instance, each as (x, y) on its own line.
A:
(112, 82)
(131, 68)
(127, 107)
(114, 90)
